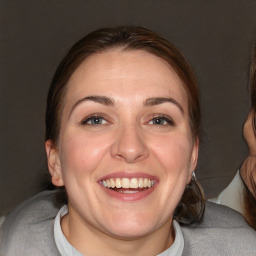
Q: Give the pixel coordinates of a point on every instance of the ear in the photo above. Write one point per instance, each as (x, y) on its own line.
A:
(194, 158)
(54, 165)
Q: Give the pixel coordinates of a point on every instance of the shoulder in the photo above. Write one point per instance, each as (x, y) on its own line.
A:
(29, 228)
(216, 215)
(222, 231)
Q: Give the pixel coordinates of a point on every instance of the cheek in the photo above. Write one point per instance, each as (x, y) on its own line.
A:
(254, 174)
(81, 154)
(173, 152)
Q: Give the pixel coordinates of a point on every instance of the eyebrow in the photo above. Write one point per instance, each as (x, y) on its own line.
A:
(161, 100)
(98, 99)
(110, 102)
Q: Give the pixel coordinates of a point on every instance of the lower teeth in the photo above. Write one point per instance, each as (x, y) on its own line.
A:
(128, 192)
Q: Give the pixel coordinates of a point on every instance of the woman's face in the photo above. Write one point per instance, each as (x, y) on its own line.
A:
(125, 149)
(248, 169)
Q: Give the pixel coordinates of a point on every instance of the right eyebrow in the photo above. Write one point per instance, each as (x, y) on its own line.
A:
(98, 99)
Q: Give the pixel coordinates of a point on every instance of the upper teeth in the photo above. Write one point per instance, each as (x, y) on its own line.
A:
(128, 183)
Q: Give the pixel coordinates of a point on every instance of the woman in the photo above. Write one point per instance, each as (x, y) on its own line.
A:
(122, 125)
(240, 194)
(248, 168)
(248, 173)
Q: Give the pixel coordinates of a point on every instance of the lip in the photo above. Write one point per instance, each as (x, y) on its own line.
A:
(128, 175)
(128, 197)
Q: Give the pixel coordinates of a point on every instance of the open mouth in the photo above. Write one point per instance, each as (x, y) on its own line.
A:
(126, 185)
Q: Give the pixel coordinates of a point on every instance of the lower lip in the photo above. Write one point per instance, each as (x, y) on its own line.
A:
(129, 196)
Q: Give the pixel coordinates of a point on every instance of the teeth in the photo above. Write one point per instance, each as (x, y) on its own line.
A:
(125, 183)
(141, 183)
(118, 183)
(112, 183)
(128, 183)
(134, 183)
(129, 192)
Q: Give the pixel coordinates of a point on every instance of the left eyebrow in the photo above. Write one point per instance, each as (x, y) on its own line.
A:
(161, 100)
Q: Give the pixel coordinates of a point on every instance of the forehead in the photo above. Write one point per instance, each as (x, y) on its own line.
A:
(122, 73)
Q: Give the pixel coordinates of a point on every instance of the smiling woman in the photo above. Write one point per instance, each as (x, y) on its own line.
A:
(122, 127)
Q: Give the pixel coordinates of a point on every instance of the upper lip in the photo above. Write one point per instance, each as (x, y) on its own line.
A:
(128, 175)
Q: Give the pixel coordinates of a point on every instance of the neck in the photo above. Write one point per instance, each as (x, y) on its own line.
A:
(90, 241)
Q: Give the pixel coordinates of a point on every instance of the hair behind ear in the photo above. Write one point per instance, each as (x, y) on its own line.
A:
(192, 204)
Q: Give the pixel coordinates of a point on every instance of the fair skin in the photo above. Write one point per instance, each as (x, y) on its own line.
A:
(125, 120)
(248, 167)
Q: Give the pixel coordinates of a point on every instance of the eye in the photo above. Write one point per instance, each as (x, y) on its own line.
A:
(94, 120)
(161, 120)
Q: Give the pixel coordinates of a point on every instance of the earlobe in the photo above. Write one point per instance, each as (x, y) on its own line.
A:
(194, 158)
(54, 165)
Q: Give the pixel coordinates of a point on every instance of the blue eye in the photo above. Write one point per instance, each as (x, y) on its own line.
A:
(94, 120)
(161, 120)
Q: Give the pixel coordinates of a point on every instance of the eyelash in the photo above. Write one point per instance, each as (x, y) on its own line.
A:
(163, 118)
(158, 117)
(90, 118)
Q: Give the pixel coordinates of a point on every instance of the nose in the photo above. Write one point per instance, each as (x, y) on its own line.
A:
(129, 145)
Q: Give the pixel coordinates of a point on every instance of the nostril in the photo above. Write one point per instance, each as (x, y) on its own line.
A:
(130, 157)
(129, 145)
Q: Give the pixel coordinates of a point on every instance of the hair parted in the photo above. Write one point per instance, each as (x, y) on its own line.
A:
(130, 38)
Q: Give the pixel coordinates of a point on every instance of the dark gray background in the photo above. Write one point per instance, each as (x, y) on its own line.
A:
(215, 35)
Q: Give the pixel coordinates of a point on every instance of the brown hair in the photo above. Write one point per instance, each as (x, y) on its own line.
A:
(253, 79)
(249, 198)
(130, 38)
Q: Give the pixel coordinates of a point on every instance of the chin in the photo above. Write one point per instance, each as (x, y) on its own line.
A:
(130, 227)
(130, 233)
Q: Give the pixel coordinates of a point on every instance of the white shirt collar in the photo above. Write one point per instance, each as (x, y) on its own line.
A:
(66, 249)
